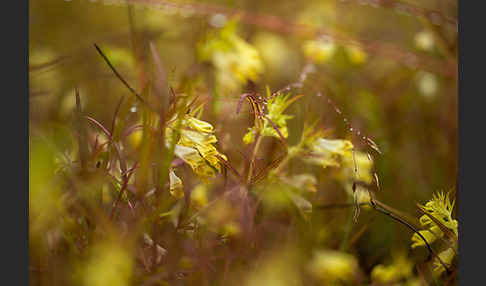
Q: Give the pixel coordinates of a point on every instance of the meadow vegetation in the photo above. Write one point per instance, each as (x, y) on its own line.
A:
(243, 143)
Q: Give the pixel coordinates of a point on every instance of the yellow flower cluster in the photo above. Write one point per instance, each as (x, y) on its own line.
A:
(400, 268)
(331, 266)
(313, 148)
(357, 168)
(195, 146)
(440, 208)
(235, 60)
(109, 263)
(276, 105)
(321, 51)
(328, 152)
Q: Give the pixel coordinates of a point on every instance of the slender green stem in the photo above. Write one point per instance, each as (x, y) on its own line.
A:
(253, 155)
(349, 226)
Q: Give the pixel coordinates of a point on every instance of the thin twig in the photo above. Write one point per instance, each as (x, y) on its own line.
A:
(402, 221)
(116, 114)
(374, 203)
(118, 75)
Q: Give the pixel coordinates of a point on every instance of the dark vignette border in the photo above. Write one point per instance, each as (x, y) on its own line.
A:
(471, 201)
(14, 116)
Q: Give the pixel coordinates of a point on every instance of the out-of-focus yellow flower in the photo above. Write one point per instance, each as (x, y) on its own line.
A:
(360, 162)
(176, 187)
(427, 84)
(362, 196)
(356, 168)
(424, 40)
(279, 268)
(195, 146)
(45, 200)
(440, 207)
(276, 105)
(280, 59)
(400, 268)
(135, 138)
(235, 60)
(328, 152)
(319, 51)
(331, 266)
(109, 264)
(414, 282)
(231, 229)
(199, 196)
(446, 256)
(356, 54)
(222, 218)
(303, 182)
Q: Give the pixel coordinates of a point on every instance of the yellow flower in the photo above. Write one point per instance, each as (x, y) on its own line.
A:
(356, 54)
(430, 235)
(332, 266)
(319, 51)
(362, 196)
(199, 196)
(303, 182)
(362, 163)
(328, 152)
(192, 157)
(195, 146)
(176, 187)
(401, 268)
(424, 40)
(235, 60)
(442, 212)
(231, 229)
(276, 105)
(440, 207)
(199, 125)
(109, 263)
(427, 84)
(135, 138)
(446, 256)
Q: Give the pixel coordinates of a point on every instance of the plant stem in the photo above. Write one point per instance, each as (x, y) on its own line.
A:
(252, 159)
(282, 164)
(349, 226)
